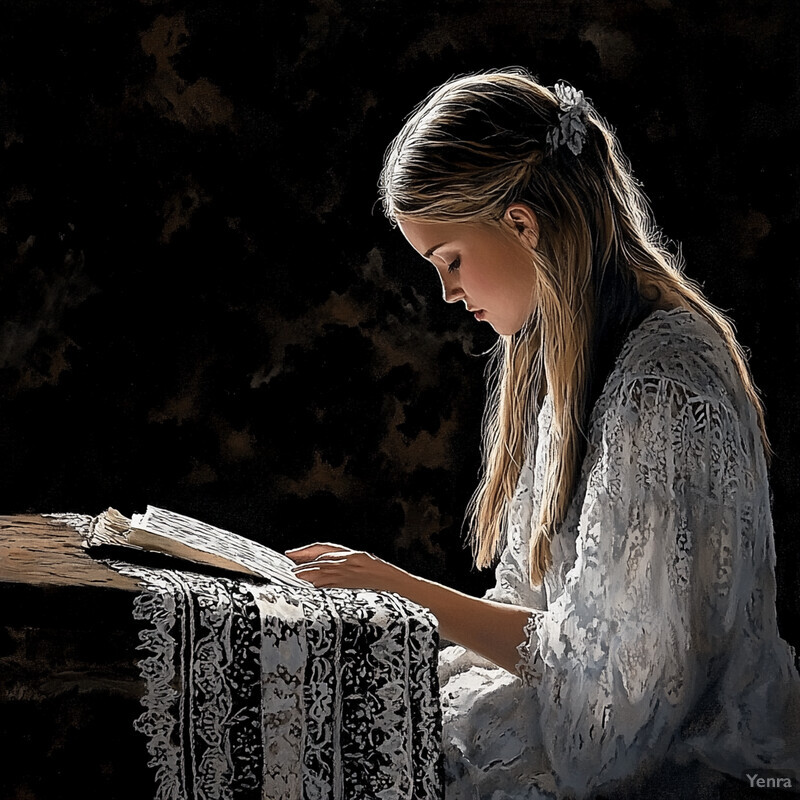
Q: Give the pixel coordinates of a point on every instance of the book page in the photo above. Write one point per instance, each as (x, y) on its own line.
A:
(193, 534)
(160, 530)
(109, 528)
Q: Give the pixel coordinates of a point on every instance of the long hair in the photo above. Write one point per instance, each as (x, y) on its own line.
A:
(474, 146)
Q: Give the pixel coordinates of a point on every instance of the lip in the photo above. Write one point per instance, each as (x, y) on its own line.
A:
(479, 313)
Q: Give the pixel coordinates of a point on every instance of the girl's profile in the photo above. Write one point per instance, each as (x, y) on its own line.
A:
(630, 642)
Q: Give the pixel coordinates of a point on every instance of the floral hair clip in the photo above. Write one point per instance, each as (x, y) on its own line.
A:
(571, 128)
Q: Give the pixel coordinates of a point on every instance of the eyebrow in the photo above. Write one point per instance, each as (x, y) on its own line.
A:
(433, 249)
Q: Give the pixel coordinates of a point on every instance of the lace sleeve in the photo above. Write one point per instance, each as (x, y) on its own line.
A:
(512, 584)
(512, 581)
(529, 666)
(667, 500)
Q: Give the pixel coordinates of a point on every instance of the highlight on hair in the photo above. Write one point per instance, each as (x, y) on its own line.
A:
(473, 147)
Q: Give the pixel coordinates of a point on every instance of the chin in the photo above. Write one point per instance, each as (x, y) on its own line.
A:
(504, 330)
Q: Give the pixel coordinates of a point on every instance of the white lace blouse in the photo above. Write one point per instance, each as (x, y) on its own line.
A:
(653, 638)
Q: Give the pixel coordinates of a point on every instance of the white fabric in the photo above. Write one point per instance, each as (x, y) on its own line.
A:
(275, 692)
(653, 645)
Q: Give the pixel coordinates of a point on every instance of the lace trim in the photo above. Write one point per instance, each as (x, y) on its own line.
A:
(529, 666)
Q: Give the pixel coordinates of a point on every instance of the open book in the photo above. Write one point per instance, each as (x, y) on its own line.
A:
(180, 537)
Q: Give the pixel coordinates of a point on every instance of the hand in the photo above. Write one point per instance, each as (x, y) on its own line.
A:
(327, 565)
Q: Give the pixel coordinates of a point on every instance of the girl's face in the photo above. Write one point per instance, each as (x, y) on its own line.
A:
(487, 267)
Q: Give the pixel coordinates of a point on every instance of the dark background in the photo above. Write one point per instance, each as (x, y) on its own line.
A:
(202, 307)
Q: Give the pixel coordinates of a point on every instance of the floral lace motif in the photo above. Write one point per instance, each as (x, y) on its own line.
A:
(661, 590)
(529, 666)
(256, 690)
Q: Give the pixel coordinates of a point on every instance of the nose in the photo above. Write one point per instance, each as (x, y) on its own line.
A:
(451, 288)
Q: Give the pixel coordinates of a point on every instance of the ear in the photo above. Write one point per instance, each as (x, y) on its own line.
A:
(524, 222)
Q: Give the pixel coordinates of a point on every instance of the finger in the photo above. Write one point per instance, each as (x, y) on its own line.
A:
(330, 557)
(328, 545)
(310, 574)
(317, 563)
(321, 579)
(320, 564)
(309, 552)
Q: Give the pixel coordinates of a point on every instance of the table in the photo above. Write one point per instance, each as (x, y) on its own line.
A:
(70, 688)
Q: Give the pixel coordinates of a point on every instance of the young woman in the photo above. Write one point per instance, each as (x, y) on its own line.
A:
(632, 630)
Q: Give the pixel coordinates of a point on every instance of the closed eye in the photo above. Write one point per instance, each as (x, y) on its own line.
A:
(454, 265)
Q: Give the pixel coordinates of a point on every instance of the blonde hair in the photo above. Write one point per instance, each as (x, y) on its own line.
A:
(473, 147)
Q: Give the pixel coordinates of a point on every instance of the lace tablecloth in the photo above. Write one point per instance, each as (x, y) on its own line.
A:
(260, 691)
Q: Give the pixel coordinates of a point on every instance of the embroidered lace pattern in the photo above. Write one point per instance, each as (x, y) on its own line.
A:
(653, 635)
(266, 691)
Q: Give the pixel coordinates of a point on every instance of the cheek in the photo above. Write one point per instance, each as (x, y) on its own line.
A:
(486, 275)
(482, 282)
(505, 280)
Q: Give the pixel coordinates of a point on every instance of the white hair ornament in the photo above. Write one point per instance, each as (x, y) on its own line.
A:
(571, 129)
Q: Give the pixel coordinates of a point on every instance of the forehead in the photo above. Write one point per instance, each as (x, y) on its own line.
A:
(425, 237)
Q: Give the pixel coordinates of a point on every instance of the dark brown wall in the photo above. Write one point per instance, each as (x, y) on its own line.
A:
(202, 307)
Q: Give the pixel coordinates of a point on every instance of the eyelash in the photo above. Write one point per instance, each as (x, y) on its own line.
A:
(454, 265)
